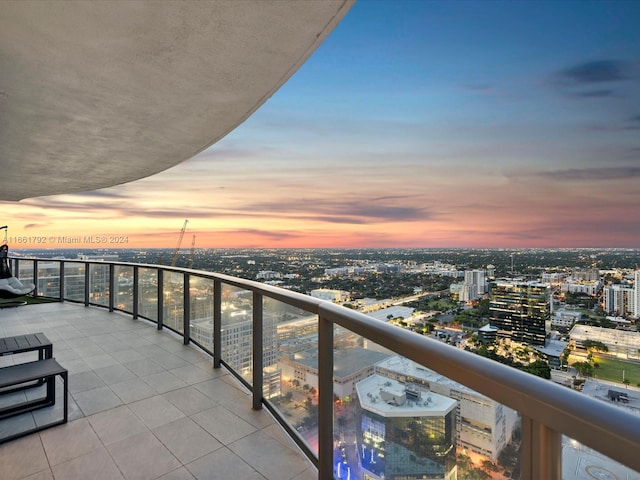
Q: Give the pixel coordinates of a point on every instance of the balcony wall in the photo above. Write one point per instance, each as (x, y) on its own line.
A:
(288, 349)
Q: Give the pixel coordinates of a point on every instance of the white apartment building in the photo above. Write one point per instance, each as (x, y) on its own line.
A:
(477, 278)
(335, 296)
(268, 275)
(565, 318)
(620, 299)
(636, 294)
(589, 287)
(483, 426)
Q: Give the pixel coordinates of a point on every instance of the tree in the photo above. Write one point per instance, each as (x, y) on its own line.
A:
(539, 368)
(595, 345)
(584, 368)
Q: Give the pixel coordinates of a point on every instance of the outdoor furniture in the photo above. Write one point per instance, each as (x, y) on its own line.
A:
(20, 376)
(26, 343)
(14, 377)
(10, 286)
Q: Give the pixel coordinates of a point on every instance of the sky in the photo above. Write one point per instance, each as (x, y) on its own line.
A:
(445, 124)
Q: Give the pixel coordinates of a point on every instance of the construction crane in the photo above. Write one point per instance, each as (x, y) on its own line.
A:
(175, 253)
(193, 247)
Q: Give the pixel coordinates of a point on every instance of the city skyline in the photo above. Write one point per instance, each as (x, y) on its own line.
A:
(415, 124)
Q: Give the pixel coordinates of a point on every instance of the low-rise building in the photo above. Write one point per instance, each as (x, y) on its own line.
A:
(483, 426)
(404, 433)
(621, 343)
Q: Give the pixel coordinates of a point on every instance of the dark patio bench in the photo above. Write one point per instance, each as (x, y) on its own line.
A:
(23, 344)
(16, 375)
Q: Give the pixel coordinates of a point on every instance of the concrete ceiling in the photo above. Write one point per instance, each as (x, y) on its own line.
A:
(95, 94)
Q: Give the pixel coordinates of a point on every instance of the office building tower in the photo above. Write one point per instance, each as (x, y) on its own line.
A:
(404, 433)
(521, 310)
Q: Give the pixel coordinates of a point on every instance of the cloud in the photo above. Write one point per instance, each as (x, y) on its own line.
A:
(593, 79)
(596, 71)
(597, 173)
(596, 93)
(358, 211)
(31, 226)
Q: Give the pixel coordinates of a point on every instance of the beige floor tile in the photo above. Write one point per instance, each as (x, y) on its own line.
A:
(22, 457)
(96, 465)
(224, 425)
(116, 424)
(69, 441)
(142, 457)
(222, 465)
(186, 439)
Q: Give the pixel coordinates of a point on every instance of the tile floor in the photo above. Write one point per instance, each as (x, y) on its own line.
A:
(141, 406)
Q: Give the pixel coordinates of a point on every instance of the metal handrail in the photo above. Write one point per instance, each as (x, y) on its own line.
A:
(549, 410)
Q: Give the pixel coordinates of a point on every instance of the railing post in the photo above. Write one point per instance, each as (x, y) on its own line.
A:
(112, 289)
(257, 351)
(14, 265)
(325, 398)
(136, 291)
(61, 281)
(160, 298)
(87, 286)
(217, 323)
(541, 451)
(186, 309)
(35, 277)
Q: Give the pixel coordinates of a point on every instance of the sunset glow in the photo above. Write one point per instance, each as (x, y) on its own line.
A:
(416, 124)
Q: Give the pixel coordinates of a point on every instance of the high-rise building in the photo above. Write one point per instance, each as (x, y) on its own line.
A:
(477, 278)
(403, 433)
(521, 310)
(621, 299)
(636, 295)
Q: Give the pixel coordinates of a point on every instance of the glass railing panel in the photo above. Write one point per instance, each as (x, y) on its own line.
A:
(581, 462)
(173, 298)
(237, 331)
(99, 284)
(49, 279)
(25, 271)
(74, 283)
(148, 293)
(392, 415)
(290, 340)
(123, 288)
(201, 311)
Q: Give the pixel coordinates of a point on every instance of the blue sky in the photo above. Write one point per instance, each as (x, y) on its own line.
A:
(420, 124)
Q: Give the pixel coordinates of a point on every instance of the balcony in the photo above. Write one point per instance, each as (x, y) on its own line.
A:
(165, 383)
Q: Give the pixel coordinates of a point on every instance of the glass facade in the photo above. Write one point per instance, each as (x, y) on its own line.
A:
(405, 435)
(521, 311)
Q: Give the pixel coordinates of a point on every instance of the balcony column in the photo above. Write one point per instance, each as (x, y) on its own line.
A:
(325, 398)
(541, 451)
(217, 323)
(160, 298)
(257, 351)
(62, 281)
(87, 283)
(112, 288)
(186, 309)
(136, 291)
(35, 277)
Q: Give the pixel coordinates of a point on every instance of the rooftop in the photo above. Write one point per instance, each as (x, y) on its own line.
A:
(388, 398)
(142, 405)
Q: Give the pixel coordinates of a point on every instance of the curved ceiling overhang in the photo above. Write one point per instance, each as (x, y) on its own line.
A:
(96, 94)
